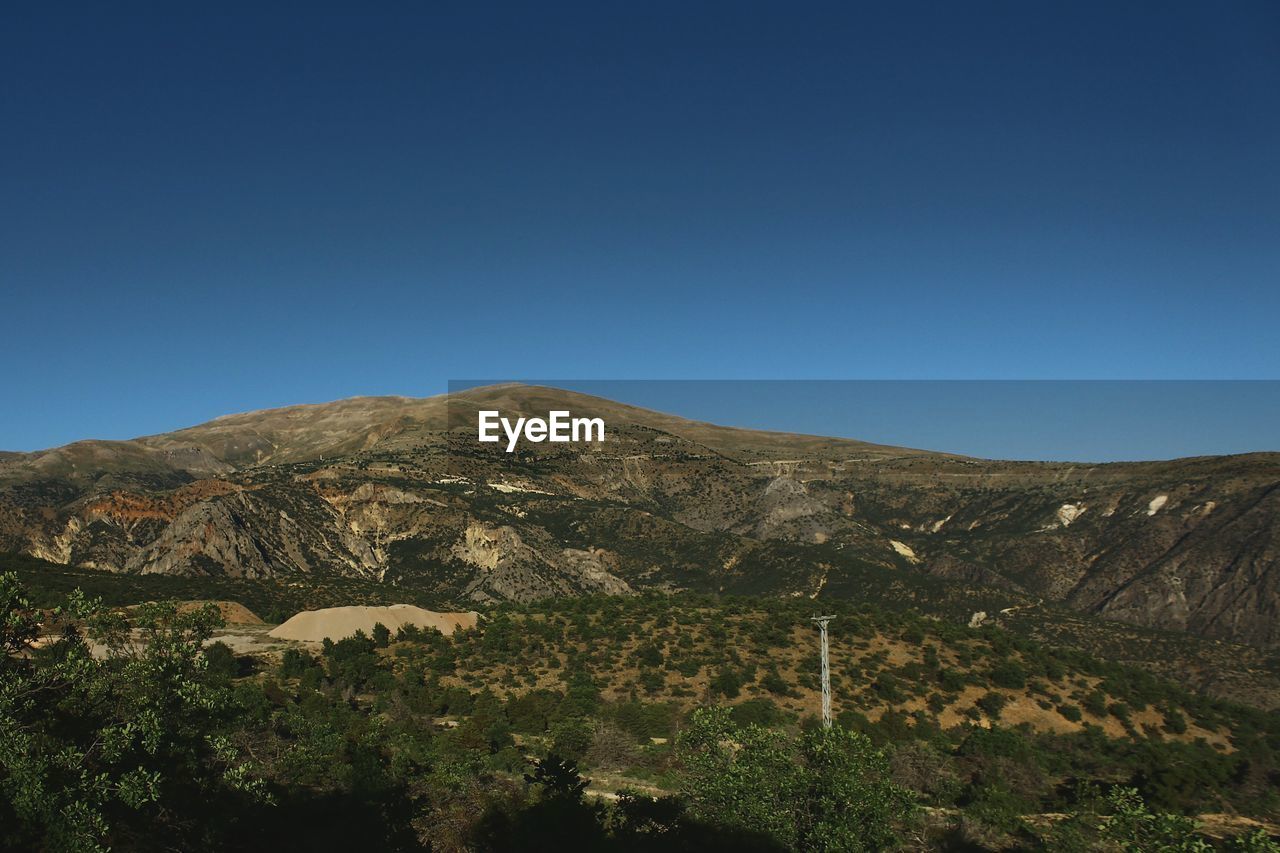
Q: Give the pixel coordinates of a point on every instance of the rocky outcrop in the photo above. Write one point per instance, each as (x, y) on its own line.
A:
(510, 569)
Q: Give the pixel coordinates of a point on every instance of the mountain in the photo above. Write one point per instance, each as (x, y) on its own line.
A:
(396, 490)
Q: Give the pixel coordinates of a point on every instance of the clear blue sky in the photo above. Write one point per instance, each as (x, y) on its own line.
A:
(215, 207)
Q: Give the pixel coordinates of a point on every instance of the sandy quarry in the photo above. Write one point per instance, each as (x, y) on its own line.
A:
(313, 626)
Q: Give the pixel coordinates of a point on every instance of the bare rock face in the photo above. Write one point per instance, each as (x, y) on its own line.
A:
(256, 534)
(591, 567)
(489, 548)
(383, 488)
(207, 534)
(510, 569)
(788, 511)
(1215, 573)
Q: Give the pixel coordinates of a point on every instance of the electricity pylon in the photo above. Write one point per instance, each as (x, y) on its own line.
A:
(826, 670)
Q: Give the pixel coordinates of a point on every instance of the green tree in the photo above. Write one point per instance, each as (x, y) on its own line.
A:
(775, 683)
(1254, 842)
(828, 789)
(558, 818)
(571, 738)
(111, 749)
(1134, 828)
(293, 663)
(649, 655)
(851, 804)
(992, 704)
(1096, 703)
(728, 681)
(747, 778)
(1009, 674)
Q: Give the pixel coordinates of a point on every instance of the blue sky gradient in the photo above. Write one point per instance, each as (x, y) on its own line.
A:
(207, 209)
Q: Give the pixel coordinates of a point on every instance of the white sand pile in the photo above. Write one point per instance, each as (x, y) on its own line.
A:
(313, 626)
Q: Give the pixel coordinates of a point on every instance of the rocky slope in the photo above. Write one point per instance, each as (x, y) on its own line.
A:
(398, 490)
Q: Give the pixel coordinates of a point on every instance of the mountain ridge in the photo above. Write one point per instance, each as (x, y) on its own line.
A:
(429, 409)
(396, 488)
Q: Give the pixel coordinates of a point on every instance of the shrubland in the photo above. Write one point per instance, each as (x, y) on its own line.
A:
(644, 722)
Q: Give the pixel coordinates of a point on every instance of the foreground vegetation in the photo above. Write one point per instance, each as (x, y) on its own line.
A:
(603, 723)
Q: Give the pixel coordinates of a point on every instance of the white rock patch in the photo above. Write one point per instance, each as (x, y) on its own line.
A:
(904, 550)
(1156, 503)
(508, 488)
(1068, 513)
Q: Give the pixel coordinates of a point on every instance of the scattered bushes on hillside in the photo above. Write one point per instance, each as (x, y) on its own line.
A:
(422, 739)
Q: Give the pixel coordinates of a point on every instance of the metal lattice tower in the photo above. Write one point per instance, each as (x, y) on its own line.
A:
(826, 670)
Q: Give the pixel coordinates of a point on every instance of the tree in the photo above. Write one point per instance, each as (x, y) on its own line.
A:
(851, 805)
(571, 738)
(746, 778)
(558, 777)
(992, 704)
(1254, 842)
(1134, 828)
(221, 660)
(294, 663)
(1009, 674)
(558, 818)
(1174, 722)
(728, 681)
(829, 789)
(649, 655)
(113, 750)
(775, 683)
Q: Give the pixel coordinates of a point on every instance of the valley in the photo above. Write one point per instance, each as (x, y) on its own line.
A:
(1017, 647)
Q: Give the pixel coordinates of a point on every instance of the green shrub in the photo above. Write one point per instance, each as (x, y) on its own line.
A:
(992, 704)
(761, 711)
(1174, 722)
(1009, 674)
(1070, 712)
